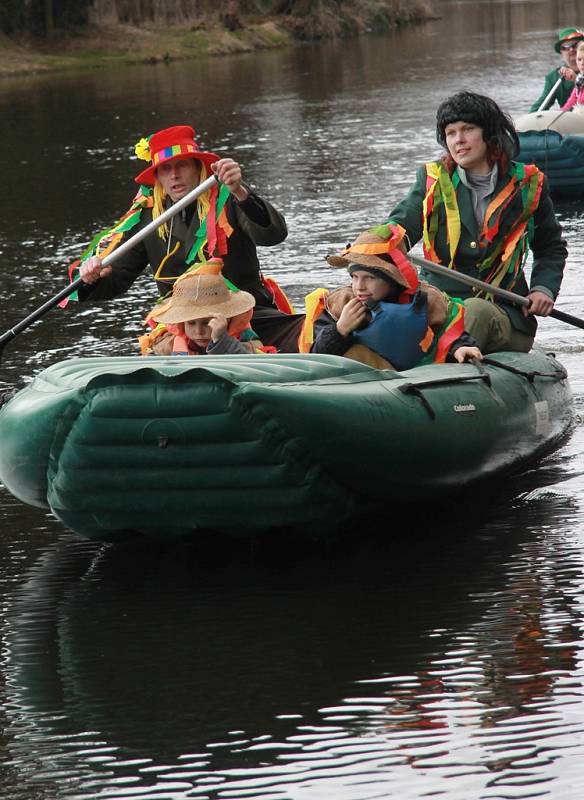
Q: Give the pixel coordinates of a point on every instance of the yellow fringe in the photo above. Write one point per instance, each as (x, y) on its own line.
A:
(147, 340)
(163, 262)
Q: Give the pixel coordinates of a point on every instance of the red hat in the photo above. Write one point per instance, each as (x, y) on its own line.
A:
(168, 145)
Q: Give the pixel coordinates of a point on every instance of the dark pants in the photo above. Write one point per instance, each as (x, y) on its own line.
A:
(492, 328)
(277, 329)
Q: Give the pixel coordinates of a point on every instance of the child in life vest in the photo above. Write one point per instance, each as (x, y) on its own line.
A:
(203, 316)
(386, 318)
(576, 99)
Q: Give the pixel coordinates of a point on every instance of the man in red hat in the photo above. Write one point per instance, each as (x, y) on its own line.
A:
(228, 221)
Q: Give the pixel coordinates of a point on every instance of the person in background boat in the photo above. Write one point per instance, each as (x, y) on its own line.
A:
(478, 212)
(228, 221)
(203, 316)
(568, 39)
(576, 99)
(386, 318)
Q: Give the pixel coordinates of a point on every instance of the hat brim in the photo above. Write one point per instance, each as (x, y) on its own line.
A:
(338, 261)
(237, 304)
(572, 39)
(148, 176)
(372, 262)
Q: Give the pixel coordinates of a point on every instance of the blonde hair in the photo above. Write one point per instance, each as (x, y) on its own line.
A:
(203, 203)
(580, 47)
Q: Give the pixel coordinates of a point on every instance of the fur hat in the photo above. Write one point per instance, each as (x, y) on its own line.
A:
(480, 110)
(202, 293)
(372, 252)
(568, 36)
(169, 144)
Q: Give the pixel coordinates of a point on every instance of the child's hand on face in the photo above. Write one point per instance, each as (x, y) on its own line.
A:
(352, 316)
(218, 325)
(462, 354)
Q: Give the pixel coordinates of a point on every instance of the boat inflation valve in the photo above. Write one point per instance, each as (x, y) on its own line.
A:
(163, 433)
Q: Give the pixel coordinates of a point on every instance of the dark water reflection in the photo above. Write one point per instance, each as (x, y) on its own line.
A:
(432, 651)
(347, 671)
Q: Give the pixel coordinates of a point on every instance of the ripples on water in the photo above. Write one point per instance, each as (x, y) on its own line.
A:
(439, 655)
(359, 672)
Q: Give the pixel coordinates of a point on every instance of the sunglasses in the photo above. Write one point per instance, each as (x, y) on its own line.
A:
(570, 46)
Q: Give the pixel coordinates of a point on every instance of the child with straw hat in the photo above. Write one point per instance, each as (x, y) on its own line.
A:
(204, 315)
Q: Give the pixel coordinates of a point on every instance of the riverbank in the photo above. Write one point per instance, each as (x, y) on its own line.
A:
(105, 44)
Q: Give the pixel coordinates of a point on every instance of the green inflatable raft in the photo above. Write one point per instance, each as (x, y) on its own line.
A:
(166, 446)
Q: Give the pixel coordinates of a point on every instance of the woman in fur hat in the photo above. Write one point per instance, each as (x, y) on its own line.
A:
(479, 212)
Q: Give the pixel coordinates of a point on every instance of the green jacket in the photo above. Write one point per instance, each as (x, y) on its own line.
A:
(563, 91)
(547, 246)
(254, 222)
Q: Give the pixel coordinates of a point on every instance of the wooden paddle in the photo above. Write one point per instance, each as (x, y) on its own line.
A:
(511, 297)
(109, 259)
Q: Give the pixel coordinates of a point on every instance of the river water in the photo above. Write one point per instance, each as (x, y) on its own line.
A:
(425, 654)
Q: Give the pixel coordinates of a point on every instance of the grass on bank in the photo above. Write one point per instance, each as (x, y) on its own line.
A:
(95, 46)
(125, 44)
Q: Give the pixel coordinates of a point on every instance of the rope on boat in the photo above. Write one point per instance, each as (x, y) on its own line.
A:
(416, 389)
(530, 375)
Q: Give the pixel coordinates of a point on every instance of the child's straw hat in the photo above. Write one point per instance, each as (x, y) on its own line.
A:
(202, 293)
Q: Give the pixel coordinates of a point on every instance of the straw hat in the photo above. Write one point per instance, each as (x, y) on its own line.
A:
(370, 251)
(571, 35)
(201, 294)
(168, 145)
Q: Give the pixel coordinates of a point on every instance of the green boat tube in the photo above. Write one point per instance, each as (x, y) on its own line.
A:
(166, 446)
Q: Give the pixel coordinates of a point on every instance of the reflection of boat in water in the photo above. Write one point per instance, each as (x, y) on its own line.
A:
(554, 141)
(255, 442)
(114, 654)
(136, 670)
